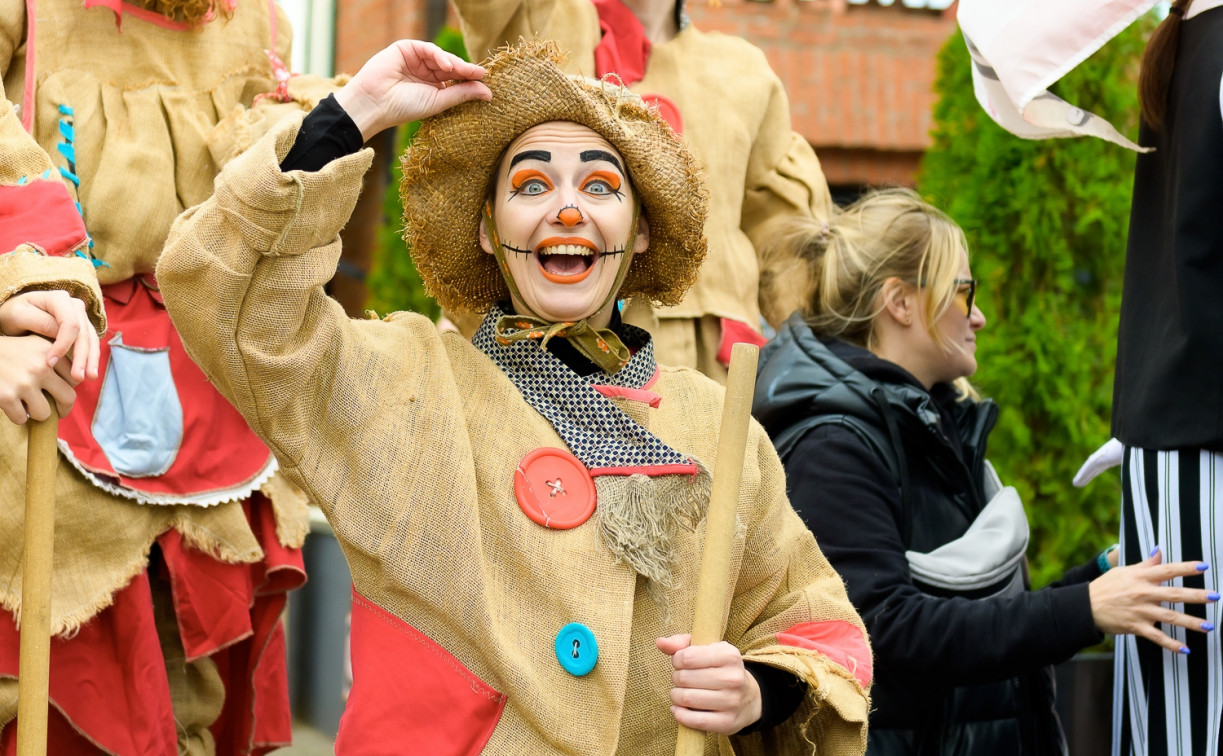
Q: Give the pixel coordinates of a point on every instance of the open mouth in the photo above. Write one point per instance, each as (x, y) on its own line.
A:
(566, 260)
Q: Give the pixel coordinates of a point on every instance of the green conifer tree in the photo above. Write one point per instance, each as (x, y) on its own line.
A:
(1046, 225)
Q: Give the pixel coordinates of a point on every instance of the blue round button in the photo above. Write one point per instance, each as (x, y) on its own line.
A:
(576, 649)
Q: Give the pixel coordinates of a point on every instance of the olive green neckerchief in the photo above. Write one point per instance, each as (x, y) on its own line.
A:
(599, 345)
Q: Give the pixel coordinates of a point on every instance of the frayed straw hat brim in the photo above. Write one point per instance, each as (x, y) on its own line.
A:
(446, 175)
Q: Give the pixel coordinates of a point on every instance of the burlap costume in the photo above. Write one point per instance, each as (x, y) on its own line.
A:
(135, 122)
(736, 120)
(410, 441)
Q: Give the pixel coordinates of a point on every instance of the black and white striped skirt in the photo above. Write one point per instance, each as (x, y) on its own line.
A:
(1168, 704)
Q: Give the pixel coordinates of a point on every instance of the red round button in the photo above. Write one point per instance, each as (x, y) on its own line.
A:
(554, 488)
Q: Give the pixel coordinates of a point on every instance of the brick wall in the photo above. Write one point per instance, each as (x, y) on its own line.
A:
(860, 77)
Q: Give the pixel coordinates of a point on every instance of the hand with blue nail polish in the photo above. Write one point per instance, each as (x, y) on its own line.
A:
(1131, 600)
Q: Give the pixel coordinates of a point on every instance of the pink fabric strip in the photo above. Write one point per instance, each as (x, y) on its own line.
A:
(652, 381)
(27, 99)
(637, 395)
(651, 470)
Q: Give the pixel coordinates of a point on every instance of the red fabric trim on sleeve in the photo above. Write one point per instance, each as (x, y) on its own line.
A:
(840, 641)
(734, 332)
(41, 213)
(410, 692)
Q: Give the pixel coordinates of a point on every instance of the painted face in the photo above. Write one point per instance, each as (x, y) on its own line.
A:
(563, 208)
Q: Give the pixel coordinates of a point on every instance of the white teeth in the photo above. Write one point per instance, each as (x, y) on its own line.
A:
(568, 249)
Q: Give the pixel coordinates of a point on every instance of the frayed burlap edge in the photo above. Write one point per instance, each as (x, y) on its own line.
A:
(446, 175)
(292, 510)
(812, 725)
(639, 517)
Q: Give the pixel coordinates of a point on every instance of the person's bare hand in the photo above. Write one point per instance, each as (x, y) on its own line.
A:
(408, 81)
(713, 691)
(1129, 600)
(25, 374)
(60, 317)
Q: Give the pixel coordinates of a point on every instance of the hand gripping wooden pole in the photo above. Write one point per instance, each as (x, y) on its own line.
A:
(33, 673)
(713, 584)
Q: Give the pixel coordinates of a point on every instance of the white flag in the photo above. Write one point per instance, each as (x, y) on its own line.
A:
(1020, 48)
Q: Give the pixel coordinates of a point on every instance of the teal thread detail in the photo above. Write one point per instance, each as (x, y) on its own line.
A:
(46, 174)
(21, 181)
(96, 262)
(67, 148)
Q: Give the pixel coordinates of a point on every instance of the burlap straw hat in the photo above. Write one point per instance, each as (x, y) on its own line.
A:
(446, 174)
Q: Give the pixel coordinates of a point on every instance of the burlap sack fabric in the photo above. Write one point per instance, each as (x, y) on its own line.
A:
(445, 178)
(759, 173)
(145, 110)
(152, 119)
(402, 436)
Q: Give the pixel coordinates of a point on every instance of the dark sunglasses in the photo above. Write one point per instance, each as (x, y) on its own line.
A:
(971, 283)
(970, 295)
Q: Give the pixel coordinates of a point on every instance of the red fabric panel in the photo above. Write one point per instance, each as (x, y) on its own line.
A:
(407, 689)
(840, 641)
(109, 681)
(734, 332)
(212, 599)
(231, 613)
(219, 451)
(623, 49)
(40, 213)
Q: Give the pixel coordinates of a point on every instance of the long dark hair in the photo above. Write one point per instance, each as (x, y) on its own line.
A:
(1158, 60)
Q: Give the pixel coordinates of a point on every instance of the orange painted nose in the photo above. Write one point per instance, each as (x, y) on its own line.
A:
(570, 216)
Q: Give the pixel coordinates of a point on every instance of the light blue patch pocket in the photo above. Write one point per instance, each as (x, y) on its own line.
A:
(139, 420)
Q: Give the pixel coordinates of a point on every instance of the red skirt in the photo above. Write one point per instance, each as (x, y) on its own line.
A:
(109, 690)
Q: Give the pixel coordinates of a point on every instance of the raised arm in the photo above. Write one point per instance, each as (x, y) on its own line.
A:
(243, 273)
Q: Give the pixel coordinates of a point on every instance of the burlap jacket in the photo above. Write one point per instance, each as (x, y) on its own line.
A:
(155, 111)
(736, 120)
(409, 440)
(131, 122)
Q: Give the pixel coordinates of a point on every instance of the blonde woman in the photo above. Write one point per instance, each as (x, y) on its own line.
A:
(864, 393)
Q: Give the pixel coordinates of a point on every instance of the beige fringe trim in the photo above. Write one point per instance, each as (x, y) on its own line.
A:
(638, 518)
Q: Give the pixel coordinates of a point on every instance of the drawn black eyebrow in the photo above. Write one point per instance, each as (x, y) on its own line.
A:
(589, 156)
(541, 155)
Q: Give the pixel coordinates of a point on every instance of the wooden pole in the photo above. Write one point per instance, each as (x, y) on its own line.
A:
(714, 582)
(33, 673)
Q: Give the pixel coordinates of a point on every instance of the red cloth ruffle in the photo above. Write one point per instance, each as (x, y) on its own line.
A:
(108, 682)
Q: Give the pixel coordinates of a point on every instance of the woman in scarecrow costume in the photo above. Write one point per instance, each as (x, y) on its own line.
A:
(521, 512)
(719, 93)
(175, 543)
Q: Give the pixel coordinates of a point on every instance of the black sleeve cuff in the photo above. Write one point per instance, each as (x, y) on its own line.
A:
(327, 133)
(780, 695)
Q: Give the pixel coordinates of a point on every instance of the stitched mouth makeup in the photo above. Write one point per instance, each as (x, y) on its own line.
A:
(565, 259)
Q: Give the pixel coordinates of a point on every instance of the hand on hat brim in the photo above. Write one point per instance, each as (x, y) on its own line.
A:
(408, 81)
